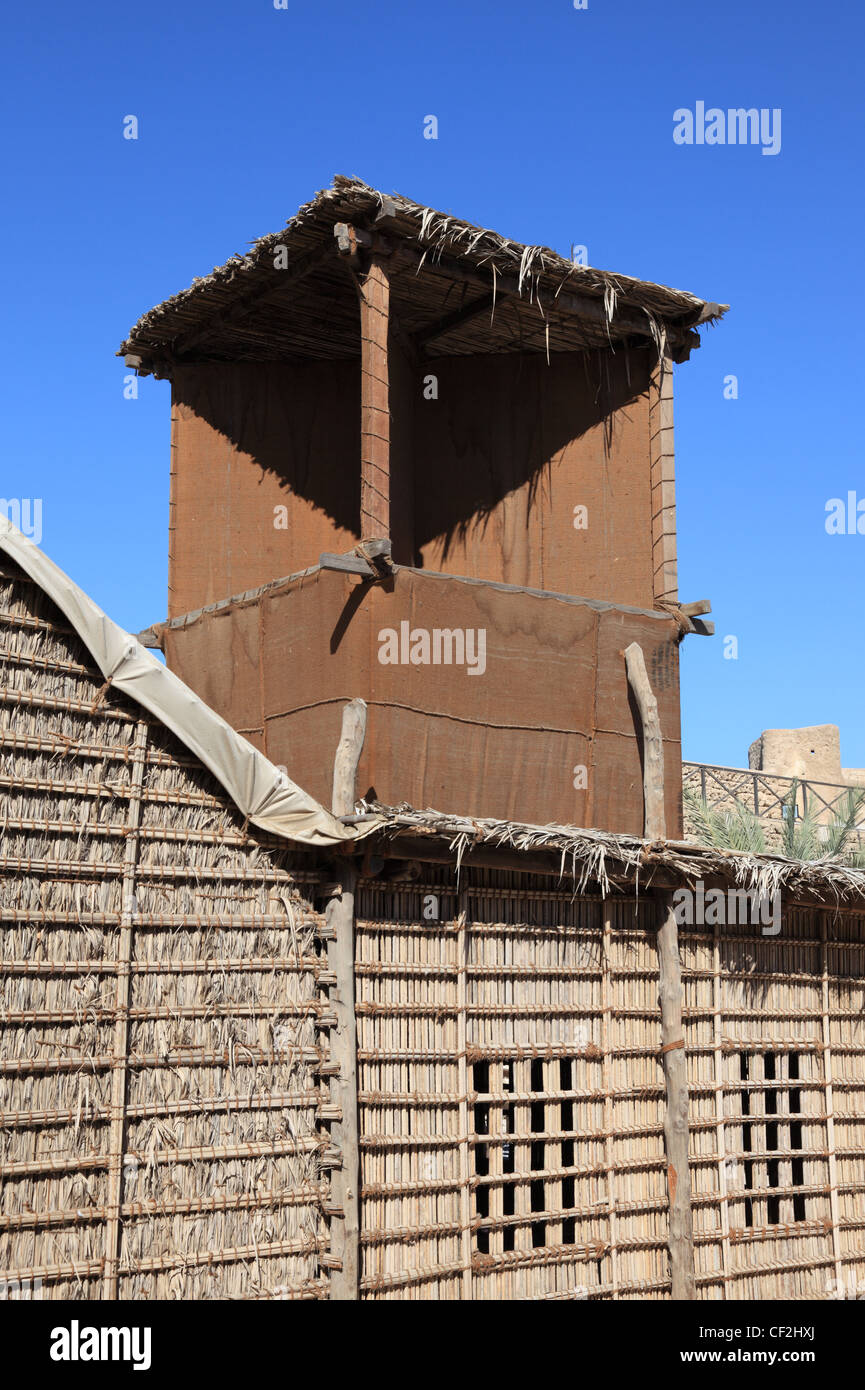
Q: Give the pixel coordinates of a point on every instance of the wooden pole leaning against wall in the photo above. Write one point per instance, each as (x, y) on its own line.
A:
(681, 1230)
(345, 1218)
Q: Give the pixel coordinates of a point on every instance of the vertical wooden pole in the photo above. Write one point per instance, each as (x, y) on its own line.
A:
(465, 1156)
(720, 1099)
(663, 483)
(374, 291)
(345, 1223)
(609, 1116)
(120, 1047)
(681, 1231)
(829, 1107)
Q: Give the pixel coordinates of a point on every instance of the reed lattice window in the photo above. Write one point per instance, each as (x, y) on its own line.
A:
(773, 1151)
(524, 1173)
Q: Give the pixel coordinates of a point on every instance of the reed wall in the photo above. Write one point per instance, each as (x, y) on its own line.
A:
(164, 1005)
(512, 1095)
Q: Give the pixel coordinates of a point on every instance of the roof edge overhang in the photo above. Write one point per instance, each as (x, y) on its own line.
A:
(620, 308)
(606, 862)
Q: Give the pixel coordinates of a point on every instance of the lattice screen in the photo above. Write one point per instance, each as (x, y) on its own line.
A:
(775, 1056)
(512, 1097)
(489, 1044)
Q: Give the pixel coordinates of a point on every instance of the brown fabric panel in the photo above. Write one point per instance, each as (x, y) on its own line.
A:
(539, 655)
(307, 740)
(617, 777)
(405, 393)
(424, 760)
(507, 451)
(505, 743)
(218, 656)
(484, 479)
(615, 710)
(313, 642)
(616, 782)
(249, 438)
(520, 774)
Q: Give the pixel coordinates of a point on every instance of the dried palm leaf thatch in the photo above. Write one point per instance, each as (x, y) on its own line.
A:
(442, 242)
(164, 1016)
(617, 863)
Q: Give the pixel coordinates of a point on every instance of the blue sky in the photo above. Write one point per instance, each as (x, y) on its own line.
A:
(555, 126)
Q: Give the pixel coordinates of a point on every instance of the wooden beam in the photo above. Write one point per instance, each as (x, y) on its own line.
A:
(590, 308)
(697, 623)
(454, 320)
(435, 849)
(653, 746)
(349, 564)
(387, 217)
(153, 636)
(685, 615)
(345, 1219)
(695, 610)
(374, 291)
(680, 1234)
(378, 555)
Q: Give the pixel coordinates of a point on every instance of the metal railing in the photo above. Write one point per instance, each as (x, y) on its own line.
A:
(767, 793)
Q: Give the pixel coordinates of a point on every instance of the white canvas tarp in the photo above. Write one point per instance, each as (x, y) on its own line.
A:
(261, 792)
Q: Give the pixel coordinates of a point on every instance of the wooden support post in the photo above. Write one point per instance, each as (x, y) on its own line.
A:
(374, 290)
(120, 1049)
(607, 1048)
(345, 1222)
(829, 1106)
(466, 1115)
(681, 1229)
(719, 1072)
(347, 757)
(655, 827)
(663, 483)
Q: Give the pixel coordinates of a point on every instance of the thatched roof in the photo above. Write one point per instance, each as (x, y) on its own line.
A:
(611, 862)
(456, 289)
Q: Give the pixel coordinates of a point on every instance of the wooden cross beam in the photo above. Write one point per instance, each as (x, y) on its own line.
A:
(351, 241)
(689, 616)
(454, 320)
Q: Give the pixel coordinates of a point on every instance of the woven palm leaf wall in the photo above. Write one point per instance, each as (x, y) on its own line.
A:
(164, 1004)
